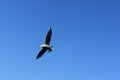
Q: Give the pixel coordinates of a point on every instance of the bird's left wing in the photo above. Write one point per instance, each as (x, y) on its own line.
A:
(41, 53)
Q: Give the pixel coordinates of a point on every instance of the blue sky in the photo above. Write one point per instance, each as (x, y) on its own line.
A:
(86, 39)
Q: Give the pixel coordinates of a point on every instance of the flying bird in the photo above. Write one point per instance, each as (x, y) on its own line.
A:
(46, 46)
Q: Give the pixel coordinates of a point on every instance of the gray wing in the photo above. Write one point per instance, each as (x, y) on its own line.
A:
(41, 53)
(48, 36)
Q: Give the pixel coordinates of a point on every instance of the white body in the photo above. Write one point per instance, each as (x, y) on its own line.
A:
(47, 46)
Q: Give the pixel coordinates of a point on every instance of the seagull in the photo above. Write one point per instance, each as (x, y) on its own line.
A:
(46, 46)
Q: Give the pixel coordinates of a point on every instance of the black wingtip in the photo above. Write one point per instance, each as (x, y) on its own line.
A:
(50, 28)
(37, 58)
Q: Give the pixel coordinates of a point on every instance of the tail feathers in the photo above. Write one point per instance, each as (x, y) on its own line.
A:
(51, 49)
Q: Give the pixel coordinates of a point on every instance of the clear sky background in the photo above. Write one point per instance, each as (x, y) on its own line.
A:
(86, 39)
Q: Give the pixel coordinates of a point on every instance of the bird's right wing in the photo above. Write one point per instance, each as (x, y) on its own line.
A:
(41, 53)
(48, 36)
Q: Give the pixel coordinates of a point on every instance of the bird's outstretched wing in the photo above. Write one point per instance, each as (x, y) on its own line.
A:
(41, 53)
(48, 36)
